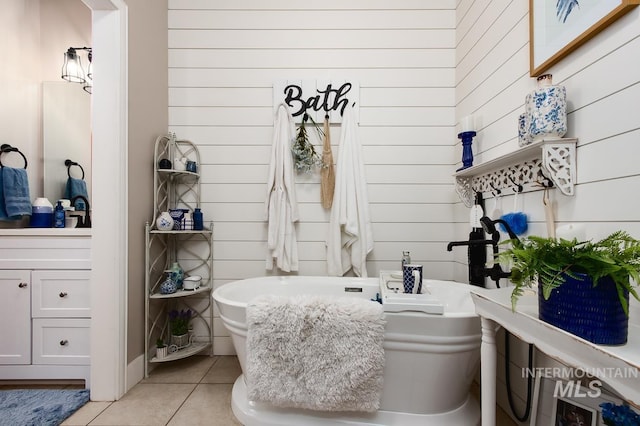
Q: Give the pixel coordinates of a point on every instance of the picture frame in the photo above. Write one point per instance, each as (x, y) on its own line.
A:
(568, 412)
(557, 28)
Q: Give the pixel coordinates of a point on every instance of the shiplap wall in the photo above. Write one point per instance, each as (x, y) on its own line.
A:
(223, 60)
(603, 84)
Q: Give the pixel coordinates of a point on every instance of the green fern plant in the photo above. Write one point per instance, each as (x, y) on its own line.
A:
(549, 260)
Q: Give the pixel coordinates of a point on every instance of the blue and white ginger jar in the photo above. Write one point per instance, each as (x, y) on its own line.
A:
(164, 222)
(546, 111)
(168, 286)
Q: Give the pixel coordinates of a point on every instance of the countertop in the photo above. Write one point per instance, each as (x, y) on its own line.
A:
(45, 232)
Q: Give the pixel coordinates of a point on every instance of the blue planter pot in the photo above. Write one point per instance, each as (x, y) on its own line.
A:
(593, 313)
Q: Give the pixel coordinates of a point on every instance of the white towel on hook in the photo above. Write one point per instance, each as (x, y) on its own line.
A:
(281, 207)
(350, 237)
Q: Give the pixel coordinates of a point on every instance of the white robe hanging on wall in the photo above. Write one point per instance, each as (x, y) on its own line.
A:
(350, 236)
(281, 207)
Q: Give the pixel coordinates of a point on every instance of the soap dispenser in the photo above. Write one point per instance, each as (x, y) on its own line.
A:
(58, 216)
(406, 258)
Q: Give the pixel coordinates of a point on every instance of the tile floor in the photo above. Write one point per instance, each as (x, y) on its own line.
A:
(194, 391)
(191, 392)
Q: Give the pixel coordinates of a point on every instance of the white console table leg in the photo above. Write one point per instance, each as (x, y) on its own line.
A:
(489, 356)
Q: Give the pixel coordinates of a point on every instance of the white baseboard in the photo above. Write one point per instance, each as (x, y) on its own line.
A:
(135, 372)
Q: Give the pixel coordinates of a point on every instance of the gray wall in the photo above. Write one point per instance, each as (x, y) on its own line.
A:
(147, 120)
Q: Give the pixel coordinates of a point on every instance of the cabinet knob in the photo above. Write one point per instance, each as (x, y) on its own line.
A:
(63, 294)
(22, 285)
(64, 342)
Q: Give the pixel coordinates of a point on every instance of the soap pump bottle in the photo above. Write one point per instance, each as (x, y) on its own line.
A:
(58, 216)
(406, 258)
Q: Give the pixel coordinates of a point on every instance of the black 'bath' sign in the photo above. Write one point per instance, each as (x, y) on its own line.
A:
(317, 98)
(328, 99)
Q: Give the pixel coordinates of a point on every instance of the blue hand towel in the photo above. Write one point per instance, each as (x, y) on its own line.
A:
(74, 188)
(15, 186)
(3, 211)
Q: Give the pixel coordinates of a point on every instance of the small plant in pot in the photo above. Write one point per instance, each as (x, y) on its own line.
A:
(179, 326)
(161, 349)
(583, 286)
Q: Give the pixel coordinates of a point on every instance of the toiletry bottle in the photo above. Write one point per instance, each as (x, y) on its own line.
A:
(58, 216)
(198, 223)
(406, 259)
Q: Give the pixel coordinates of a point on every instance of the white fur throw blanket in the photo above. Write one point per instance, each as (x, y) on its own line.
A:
(315, 352)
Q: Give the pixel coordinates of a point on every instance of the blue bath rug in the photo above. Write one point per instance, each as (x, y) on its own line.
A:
(40, 407)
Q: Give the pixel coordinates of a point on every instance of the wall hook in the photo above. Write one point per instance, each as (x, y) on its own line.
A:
(518, 187)
(544, 181)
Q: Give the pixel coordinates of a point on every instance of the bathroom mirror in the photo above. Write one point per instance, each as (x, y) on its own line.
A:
(66, 134)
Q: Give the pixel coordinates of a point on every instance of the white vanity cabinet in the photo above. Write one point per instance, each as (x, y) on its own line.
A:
(45, 309)
(15, 315)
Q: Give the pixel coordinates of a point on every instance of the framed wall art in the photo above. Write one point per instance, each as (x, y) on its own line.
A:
(557, 27)
(568, 412)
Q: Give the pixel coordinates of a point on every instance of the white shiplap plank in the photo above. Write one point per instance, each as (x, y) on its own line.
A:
(624, 60)
(408, 174)
(260, 97)
(409, 5)
(238, 20)
(403, 193)
(406, 154)
(593, 122)
(392, 76)
(317, 58)
(620, 150)
(310, 39)
(405, 97)
(395, 116)
(484, 67)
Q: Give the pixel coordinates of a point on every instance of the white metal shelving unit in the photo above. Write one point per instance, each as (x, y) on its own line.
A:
(192, 249)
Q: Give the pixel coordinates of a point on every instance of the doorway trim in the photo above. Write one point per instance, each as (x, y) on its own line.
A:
(109, 201)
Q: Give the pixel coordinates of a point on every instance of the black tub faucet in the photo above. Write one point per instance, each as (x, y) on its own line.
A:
(489, 226)
(86, 223)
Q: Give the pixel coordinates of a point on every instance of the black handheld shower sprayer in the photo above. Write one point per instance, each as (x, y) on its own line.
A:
(489, 226)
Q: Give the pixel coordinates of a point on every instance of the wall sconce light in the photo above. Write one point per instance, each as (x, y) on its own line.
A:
(72, 70)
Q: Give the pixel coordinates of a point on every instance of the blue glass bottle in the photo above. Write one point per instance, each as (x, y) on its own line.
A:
(198, 223)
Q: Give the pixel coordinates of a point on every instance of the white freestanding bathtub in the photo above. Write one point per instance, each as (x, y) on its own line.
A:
(430, 359)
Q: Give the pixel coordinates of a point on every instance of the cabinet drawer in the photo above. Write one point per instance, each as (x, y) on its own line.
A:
(60, 294)
(61, 341)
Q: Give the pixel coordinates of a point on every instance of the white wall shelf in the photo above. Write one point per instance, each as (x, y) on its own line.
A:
(531, 165)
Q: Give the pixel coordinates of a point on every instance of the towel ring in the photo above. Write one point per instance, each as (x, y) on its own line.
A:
(5, 147)
(70, 163)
